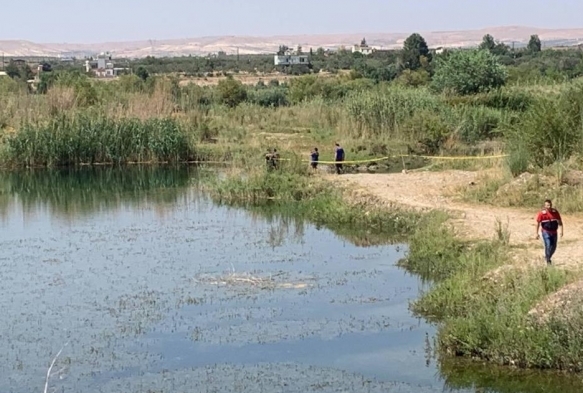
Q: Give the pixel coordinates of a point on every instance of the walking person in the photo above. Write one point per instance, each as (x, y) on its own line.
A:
(314, 157)
(548, 221)
(339, 158)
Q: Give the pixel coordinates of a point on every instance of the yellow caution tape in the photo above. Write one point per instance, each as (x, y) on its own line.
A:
(377, 159)
(350, 162)
(461, 157)
(413, 156)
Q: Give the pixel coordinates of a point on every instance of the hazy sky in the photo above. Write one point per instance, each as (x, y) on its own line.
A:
(124, 20)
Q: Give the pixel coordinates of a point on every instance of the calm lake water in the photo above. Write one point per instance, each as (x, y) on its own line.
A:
(150, 287)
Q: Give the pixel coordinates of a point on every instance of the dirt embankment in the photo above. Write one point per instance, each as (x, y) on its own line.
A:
(440, 190)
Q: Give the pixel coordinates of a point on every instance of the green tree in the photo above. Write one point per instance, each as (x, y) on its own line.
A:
(47, 80)
(16, 71)
(488, 43)
(12, 70)
(231, 92)
(469, 72)
(534, 44)
(414, 48)
(142, 73)
(493, 46)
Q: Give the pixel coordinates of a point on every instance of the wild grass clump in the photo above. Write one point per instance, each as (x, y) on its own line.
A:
(385, 111)
(436, 254)
(492, 323)
(85, 139)
(474, 124)
(269, 97)
(505, 98)
(550, 131)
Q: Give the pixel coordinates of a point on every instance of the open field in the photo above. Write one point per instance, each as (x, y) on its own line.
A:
(246, 79)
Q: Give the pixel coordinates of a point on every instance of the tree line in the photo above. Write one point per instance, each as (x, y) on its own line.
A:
(413, 65)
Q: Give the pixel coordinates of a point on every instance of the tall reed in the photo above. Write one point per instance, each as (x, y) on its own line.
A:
(90, 139)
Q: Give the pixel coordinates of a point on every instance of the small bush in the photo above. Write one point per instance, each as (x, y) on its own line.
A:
(270, 97)
(231, 92)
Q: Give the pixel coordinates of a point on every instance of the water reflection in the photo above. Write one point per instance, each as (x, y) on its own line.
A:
(71, 193)
(487, 378)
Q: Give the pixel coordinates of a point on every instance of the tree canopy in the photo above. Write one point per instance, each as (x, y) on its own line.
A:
(414, 49)
(469, 72)
(534, 44)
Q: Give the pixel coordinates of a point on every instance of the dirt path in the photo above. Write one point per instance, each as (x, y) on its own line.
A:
(440, 190)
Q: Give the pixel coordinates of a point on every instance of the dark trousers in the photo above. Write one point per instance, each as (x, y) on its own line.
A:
(550, 241)
(339, 169)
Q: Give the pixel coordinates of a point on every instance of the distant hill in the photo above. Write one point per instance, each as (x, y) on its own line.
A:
(257, 45)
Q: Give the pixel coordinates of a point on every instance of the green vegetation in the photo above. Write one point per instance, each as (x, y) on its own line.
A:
(484, 311)
(479, 104)
(294, 189)
(88, 140)
(469, 72)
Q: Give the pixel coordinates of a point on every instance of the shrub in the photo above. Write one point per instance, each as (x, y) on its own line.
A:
(409, 78)
(552, 130)
(231, 92)
(270, 97)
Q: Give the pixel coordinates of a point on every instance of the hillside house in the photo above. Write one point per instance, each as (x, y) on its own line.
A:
(362, 48)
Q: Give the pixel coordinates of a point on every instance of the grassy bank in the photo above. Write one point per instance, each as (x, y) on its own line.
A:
(483, 308)
(298, 193)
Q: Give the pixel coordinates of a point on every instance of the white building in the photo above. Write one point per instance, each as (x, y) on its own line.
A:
(289, 58)
(102, 67)
(362, 48)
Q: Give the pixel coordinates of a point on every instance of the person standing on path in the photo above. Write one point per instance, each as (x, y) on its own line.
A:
(339, 158)
(314, 156)
(548, 221)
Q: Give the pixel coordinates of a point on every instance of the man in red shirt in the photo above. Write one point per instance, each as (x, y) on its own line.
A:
(549, 220)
